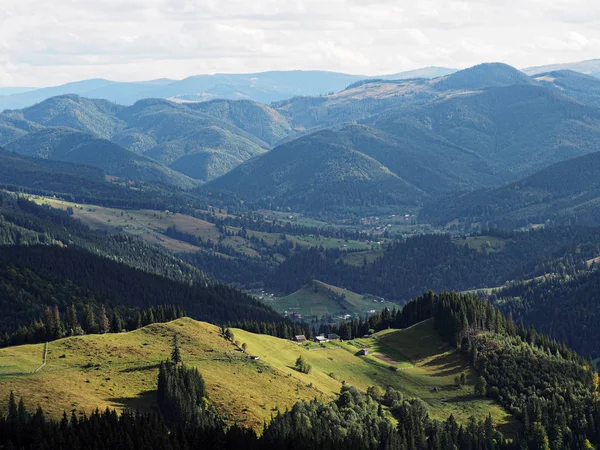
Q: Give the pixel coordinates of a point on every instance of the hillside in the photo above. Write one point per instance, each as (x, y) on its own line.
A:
(581, 87)
(564, 192)
(565, 307)
(515, 130)
(259, 120)
(482, 76)
(202, 141)
(120, 371)
(317, 299)
(68, 145)
(319, 171)
(589, 67)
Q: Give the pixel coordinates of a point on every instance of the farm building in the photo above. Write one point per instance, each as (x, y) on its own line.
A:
(333, 337)
(254, 358)
(363, 352)
(321, 339)
(300, 338)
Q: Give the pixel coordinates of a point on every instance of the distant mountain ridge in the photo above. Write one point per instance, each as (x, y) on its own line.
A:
(473, 129)
(263, 87)
(589, 67)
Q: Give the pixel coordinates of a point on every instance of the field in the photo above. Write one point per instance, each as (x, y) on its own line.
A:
(120, 371)
(151, 226)
(318, 299)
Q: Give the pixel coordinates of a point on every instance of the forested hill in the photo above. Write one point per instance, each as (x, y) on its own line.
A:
(566, 307)
(113, 283)
(51, 260)
(22, 222)
(438, 262)
(566, 192)
(550, 390)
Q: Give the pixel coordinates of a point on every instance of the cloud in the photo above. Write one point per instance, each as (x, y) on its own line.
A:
(54, 41)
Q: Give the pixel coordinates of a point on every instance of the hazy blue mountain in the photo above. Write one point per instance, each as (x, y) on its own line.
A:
(581, 87)
(264, 87)
(425, 72)
(451, 142)
(15, 90)
(589, 67)
(68, 145)
(482, 76)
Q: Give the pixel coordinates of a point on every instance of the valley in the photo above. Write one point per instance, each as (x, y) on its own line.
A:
(347, 262)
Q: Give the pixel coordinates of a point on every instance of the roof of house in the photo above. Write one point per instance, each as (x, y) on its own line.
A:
(321, 338)
(300, 337)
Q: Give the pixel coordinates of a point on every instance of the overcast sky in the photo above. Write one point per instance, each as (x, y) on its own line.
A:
(48, 42)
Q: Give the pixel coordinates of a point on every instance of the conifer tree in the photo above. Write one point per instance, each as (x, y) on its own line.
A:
(175, 352)
(88, 319)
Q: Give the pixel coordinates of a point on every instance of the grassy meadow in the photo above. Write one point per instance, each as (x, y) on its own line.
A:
(120, 371)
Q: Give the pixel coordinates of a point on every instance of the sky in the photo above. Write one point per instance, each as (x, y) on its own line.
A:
(49, 42)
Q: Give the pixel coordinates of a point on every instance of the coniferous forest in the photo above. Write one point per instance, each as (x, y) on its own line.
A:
(550, 389)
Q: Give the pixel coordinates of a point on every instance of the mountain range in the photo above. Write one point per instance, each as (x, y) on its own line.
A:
(418, 139)
(264, 87)
(377, 142)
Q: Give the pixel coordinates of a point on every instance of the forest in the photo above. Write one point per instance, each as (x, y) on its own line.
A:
(547, 387)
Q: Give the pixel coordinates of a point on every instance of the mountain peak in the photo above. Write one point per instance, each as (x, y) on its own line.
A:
(483, 76)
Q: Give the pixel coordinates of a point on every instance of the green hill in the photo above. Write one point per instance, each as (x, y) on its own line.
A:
(259, 120)
(316, 172)
(229, 131)
(120, 370)
(319, 299)
(566, 192)
(68, 145)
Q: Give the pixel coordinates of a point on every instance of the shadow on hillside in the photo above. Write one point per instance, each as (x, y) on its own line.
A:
(446, 365)
(141, 368)
(145, 401)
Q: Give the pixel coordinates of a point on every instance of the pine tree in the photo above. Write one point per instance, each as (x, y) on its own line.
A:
(88, 319)
(59, 330)
(116, 324)
(71, 322)
(176, 352)
(49, 322)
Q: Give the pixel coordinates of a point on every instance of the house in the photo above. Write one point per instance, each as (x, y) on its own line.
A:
(363, 352)
(300, 338)
(333, 337)
(321, 339)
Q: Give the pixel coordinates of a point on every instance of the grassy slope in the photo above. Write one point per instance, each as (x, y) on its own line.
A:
(316, 299)
(150, 225)
(120, 371)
